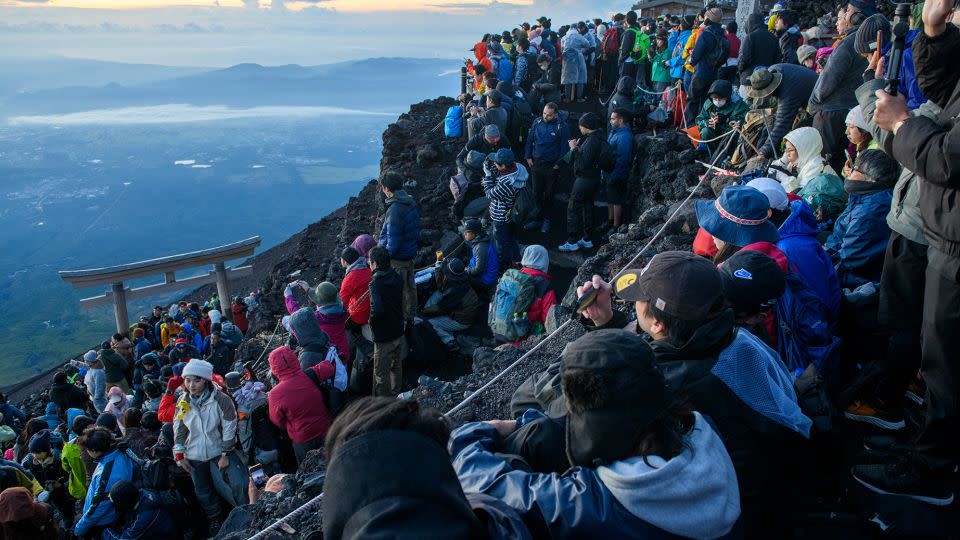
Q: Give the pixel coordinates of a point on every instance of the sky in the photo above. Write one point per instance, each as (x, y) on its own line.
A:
(218, 33)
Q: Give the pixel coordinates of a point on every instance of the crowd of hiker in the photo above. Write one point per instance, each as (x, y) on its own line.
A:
(820, 298)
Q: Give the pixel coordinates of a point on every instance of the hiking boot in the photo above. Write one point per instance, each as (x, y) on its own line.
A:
(915, 391)
(569, 246)
(905, 477)
(879, 416)
(545, 227)
(532, 226)
(586, 243)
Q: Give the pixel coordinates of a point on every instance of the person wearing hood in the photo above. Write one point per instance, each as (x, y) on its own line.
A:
(801, 161)
(189, 332)
(389, 465)
(400, 235)
(169, 331)
(622, 97)
(546, 89)
(719, 111)
(354, 287)
(386, 324)
(50, 416)
(67, 395)
(454, 305)
(148, 367)
(218, 353)
(526, 67)
(114, 366)
(788, 34)
(586, 152)
(859, 239)
(858, 133)
(48, 471)
(95, 380)
(785, 87)
(113, 465)
(668, 475)
(140, 514)
(807, 56)
(22, 517)
(117, 403)
(363, 244)
(297, 405)
(329, 313)
(76, 462)
(573, 75)
(834, 93)
(739, 216)
(483, 267)
(679, 303)
(536, 263)
(504, 179)
(798, 241)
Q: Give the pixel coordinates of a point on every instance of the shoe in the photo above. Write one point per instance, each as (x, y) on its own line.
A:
(889, 444)
(585, 243)
(569, 246)
(905, 477)
(915, 391)
(532, 226)
(861, 411)
(545, 228)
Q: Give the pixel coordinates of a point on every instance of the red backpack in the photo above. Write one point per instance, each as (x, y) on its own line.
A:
(611, 42)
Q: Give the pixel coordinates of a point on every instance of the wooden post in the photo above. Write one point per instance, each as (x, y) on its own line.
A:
(223, 290)
(120, 307)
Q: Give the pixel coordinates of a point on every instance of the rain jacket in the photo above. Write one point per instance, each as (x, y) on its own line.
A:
(839, 79)
(114, 365)
(676, 55)
(353, 291)
(691, 495)
(98, 511)
(332, 320)
(809, 163)
(203, 432)
(148, 520)
(575, 48)
(798, 241)
(621, 141)
(401, 227)
(297, 405)
(547, 143)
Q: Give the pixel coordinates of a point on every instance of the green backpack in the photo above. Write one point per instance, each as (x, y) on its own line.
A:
(507, 317)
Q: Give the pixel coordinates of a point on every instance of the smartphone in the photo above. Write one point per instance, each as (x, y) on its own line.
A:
(259, 477)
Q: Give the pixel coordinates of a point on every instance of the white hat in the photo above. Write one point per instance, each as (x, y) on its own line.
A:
(855, 118)
(115, 398)
(90, 357)
(774, 191)
(198, 368)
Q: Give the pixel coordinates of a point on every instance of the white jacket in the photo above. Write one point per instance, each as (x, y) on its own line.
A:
(205, 432)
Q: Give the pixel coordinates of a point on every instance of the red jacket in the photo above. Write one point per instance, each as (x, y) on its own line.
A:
(296, 403)
(354, 286)
(541, 304)
(205, 325)
(240, 317)
(703, 244)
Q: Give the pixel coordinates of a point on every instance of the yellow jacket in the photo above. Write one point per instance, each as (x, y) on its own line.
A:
(688, 48)
(168, 331)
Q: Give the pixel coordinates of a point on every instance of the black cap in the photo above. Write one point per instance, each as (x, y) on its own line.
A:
(678, 283)
(591, 121)
(752, 281)
(473, 225)
(613, 391)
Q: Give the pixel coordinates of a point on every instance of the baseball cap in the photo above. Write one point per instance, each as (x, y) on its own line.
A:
(752, 281)
(678, 283)
(503, 156)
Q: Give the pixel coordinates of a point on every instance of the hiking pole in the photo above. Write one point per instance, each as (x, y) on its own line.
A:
(626, 267)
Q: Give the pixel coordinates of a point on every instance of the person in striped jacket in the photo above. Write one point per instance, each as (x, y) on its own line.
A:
(504, 179)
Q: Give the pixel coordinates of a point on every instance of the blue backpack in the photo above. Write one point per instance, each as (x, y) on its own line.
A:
(453, 122)
(803, 330)
(507, 317)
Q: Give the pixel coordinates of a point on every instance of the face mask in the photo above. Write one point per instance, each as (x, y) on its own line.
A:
(719, 103)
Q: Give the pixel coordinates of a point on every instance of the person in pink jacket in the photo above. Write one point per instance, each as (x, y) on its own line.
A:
(330, 313)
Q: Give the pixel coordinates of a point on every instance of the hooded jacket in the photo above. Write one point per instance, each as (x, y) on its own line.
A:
(22, 517)
(98, 511)
(622, 96)
(586, 156)
(839, 79)
(353, 291)
(621, 141)
(386, 305)
(692, 495)
(114, 365)
(401, 227)
(709, 53)
(792, 96)
(809, 163)
(148, 519)
(332, 320)
(676, 55)
(733, 111)
(204, 432)
(314, 342)
(297, 405)
(860, 234)
(798, 241)
(483, 266)
(502, 192)
(72, 461)
(548, 85)
(575, 46)
(547, 142)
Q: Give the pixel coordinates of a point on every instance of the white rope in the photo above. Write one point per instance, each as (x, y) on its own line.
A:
(288, 517)
(269, 341)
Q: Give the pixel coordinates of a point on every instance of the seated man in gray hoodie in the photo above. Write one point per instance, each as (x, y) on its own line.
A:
(642, 465)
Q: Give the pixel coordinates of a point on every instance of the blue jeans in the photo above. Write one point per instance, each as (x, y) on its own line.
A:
(505, 239)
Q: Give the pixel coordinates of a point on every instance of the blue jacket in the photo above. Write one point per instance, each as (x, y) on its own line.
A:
(798, 241)
(484, 263)
(704, 55)
(148, 521)
(858, 242)
(547, 143)
(401, 227)
(621, 140)
(11, 413)
(51, 417)
(692, 495)
(504, 69)
(98, 511)
(143, 346)
(676, 58)
(522, 69)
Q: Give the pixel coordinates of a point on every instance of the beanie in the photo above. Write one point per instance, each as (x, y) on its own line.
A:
(363, 244)
(591, 121)
(714, 15)
(40, 442)
(90, 357)
(198, 368)
(855, 118)
(865, 41)
(107, 420)
(804, 52)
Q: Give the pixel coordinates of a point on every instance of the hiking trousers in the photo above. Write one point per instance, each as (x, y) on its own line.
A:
(832, 126)
(388, 367)
(544, 177)
(405, 269)
(580, 208)
(505, 240)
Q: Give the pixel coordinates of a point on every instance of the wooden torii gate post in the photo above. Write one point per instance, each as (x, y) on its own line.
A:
(167, 266)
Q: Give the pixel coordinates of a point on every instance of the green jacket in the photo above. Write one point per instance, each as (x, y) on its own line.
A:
(660, 72)
(114, 365)
(72, 462)
(735, 111)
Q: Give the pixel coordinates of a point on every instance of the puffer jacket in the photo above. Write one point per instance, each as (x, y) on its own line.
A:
(98, 511)
(386, 305)
(759, 48)
(401, 227)
(622, 97)
(521, 77)
(548, 85)
(798, 241)
(296, 403)
(502, 192)
(353, 291)
(859, 239)
(789, 43)
(839, 79)
(314, 342)
(203, 432)
(483, 261)
(586, 156)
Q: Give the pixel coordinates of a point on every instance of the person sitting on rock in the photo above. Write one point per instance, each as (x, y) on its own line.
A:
(140, 514)
(182, 351)
(643, 463)
(454, 305)
(719, 112)
(330, 313)
(483, 267)
(737, 218)
(493, 115)
(801, 161)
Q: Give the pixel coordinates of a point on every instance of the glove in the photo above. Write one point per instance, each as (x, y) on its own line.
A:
(287, 292)
(175, 382)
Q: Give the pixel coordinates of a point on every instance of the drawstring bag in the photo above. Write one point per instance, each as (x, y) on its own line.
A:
(340, 377)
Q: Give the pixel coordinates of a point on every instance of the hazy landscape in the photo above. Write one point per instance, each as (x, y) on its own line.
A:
(99, 172)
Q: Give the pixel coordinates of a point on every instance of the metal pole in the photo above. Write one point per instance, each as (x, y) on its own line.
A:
(463, 80)
(223, 290)
(120, 307)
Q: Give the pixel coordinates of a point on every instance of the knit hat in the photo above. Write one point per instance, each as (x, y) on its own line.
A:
(866, 38)
(363, 244)
(40, 442)
(714, 15)
(472, 225)
(868, 7)
(752, 281)
(325, 294)
(198, 368)
(591, 121)
(855, 118)
(215, 316)
(90, 357)
(774, 191)
(738, 216)
(492, 132)
(806, 51)
(535, 256)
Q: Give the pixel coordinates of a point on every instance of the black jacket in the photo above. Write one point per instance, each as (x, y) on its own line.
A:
(479, 143)
(792, 95)
(221, 356)
(622, 97)
(586, 157)
(930, 148)
(386, 305)
(759, 48)
(548, 85)
(789, 43)
(68, 396)
(838, 82)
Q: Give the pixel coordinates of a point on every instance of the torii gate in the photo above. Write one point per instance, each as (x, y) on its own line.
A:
(167, 266)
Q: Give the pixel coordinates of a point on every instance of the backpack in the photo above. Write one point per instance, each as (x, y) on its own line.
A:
(453, 122)
(507, 317)
(608, 156)
(155, 474)
(809, 339)
(611, 42)
(458, 187)
(525, 207)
